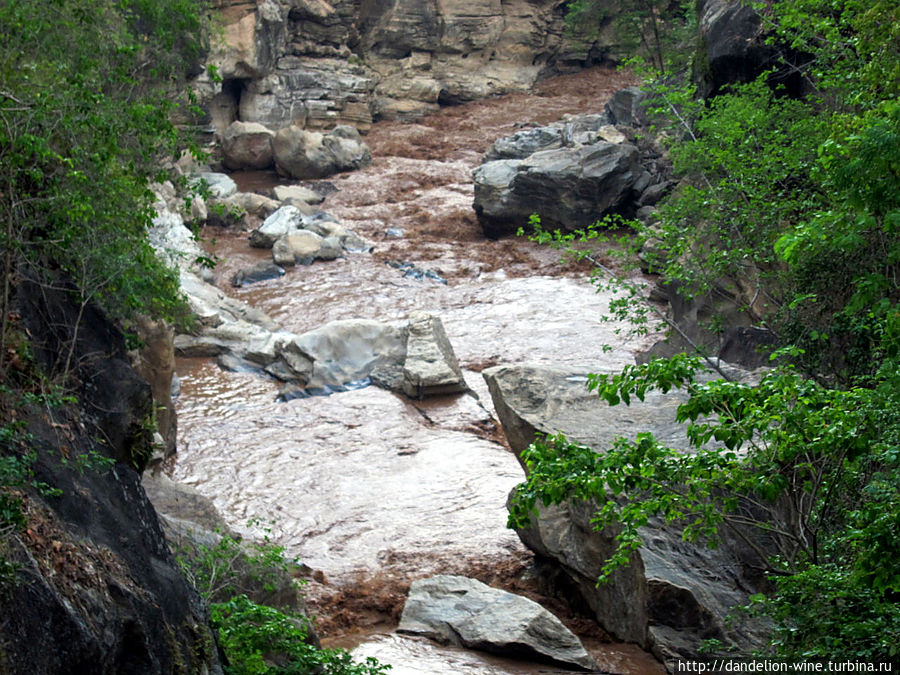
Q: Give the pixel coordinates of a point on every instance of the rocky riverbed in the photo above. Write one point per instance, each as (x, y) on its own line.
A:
(369, 489)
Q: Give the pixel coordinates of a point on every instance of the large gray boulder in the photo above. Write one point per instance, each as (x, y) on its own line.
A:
(310, 154)
(430, 367)
(247, 145)
(350, 349)
(285, 220)
(675, 594)
(569, 187)
(467, 613)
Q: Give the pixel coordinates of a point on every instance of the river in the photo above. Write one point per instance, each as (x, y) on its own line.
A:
(368, 489)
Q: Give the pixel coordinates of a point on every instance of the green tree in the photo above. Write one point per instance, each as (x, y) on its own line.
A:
(792, 205)
(657, 29)
(86, 93)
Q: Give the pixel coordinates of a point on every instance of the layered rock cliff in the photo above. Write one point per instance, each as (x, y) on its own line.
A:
(317, 64)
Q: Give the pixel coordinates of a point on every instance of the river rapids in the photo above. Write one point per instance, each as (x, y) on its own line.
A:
(370, 490)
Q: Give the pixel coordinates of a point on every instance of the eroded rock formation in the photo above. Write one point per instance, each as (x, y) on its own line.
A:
(675, 594)
(316, 64)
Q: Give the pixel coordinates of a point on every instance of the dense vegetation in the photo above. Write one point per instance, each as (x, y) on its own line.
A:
(791, 203)
(86, 93)
(256, 637)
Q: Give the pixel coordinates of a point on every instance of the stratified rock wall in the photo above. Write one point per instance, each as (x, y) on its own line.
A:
(317, 64)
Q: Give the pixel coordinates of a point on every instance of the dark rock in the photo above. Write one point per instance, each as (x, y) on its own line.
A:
(261, 271)
(654, 193)
(674, 594)
(740, 343)
(524, 143)
(627, 107)
(96, 589)
(570, 188)
(467, 613)
(733, 48)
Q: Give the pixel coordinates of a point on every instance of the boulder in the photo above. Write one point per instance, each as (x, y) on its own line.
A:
(733, 43)
(310, 154)
(285, 220)
(348, 350)
(430, 367)
(467, 613)
(626, 107)
(220, 185)
(301, 248)
(252, 203)
(247, 145)
(261, 271)
(569, 187)
(524, 143)
(297, 193)
(674, 594)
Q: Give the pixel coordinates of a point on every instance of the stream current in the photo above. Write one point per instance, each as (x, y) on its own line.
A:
(368, 489)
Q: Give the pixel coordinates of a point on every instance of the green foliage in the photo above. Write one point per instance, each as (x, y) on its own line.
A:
(87, 91)
(749, 168)
(791, 208)
(814, 469)
(231, 566)
(259, 640)
(658, 29)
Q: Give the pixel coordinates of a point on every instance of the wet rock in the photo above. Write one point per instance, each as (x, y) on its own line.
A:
(220, 185)
(524, 143)
(247, 145)
(733, 43)
(283, 221)
(430, 367)
(675, 594)
(569, 187)
(411, 271)
(310, 154)
(261, 271)
(214, 308)
(627, 107)
(299, 248)
(297, 193)
(350, 349)
(465, 612)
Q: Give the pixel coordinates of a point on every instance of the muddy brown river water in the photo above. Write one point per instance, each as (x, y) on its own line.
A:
(367, 488)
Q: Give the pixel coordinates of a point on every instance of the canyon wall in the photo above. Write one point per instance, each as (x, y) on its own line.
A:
(318, 64)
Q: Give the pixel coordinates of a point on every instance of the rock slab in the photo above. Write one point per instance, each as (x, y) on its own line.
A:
(431, 367)
(467, 613)
(675, 594)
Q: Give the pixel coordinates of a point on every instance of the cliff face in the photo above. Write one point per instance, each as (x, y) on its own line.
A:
(317, 64)
(96, 589)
